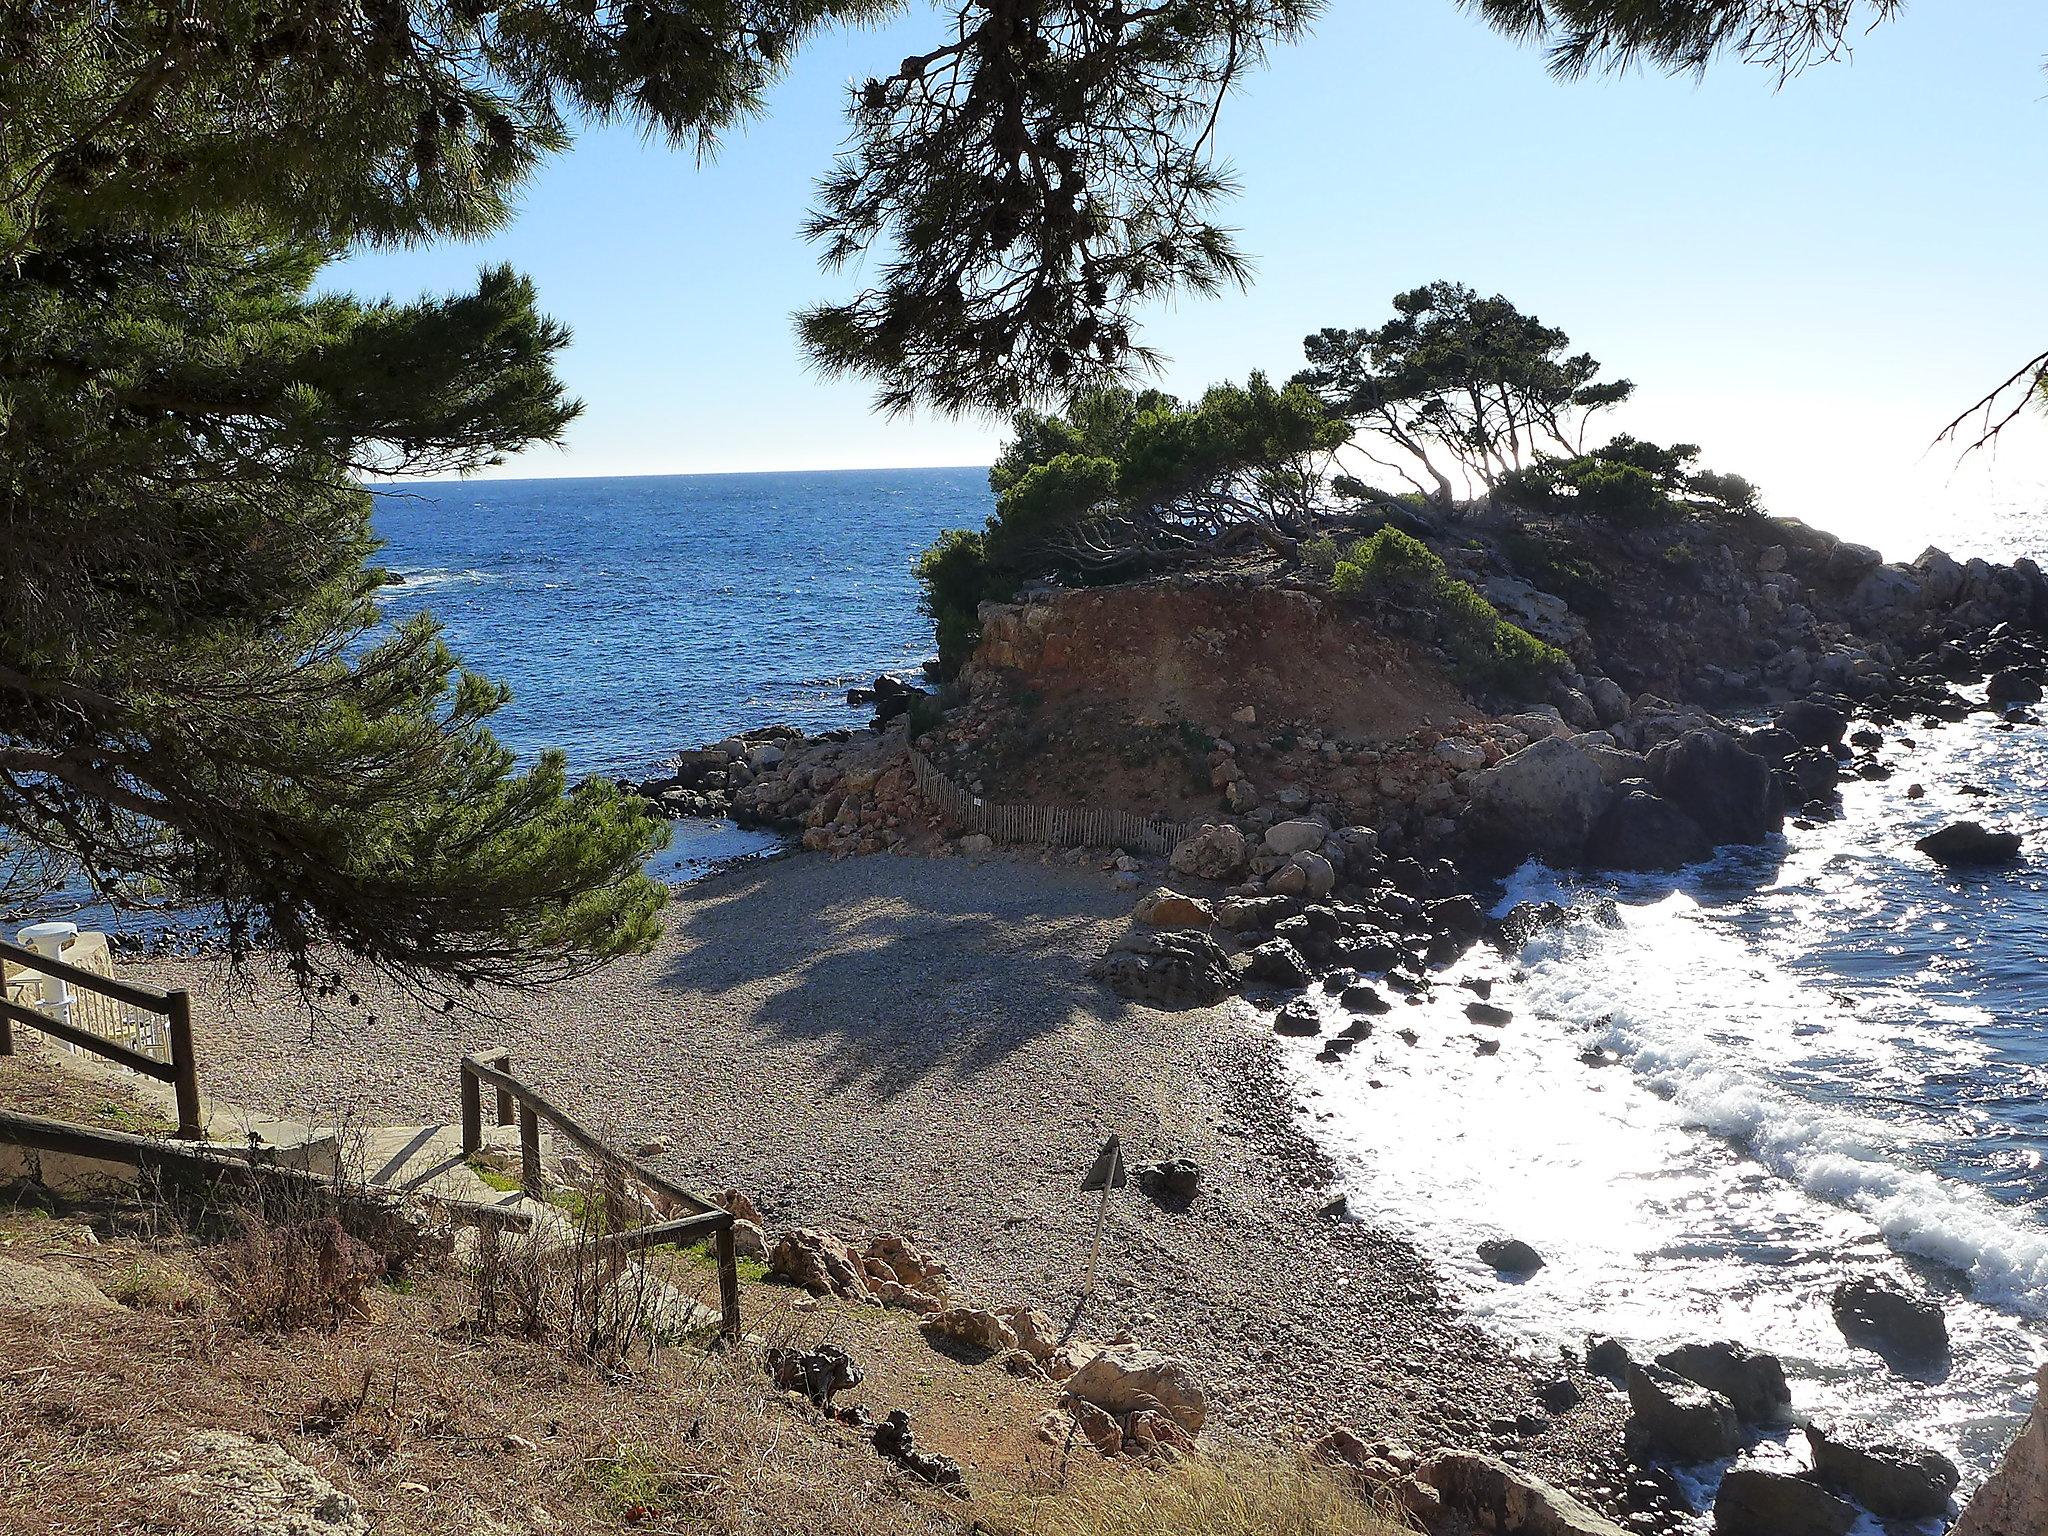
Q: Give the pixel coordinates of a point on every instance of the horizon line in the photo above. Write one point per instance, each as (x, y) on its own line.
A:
(373, 485)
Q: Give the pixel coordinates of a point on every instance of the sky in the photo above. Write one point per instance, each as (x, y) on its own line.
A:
(1807, 281)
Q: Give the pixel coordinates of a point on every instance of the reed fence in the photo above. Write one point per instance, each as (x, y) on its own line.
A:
(1048, 826)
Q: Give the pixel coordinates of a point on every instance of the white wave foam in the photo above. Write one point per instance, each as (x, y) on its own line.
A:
(1712, 1028)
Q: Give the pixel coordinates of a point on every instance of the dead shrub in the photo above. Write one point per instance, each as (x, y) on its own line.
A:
(1240, 1491)
(279, 1276)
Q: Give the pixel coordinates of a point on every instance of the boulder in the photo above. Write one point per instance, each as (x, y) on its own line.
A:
(818, 1262)
(1510, 1255)
(1544, 799)
(1678, 1418)
(1607, 1357)
(1643, 831)
(2013, 685)
(1754, 1382)
(1615, 764)
(891, 1256)
(2014, 1502)
(1275, 963)
(1125, 1378)
(1722, 785)
(1756, 1502)
(1878, 1315)
(1170, 909)
(247, 1487)
(1174, 1182)
(1288, 838)
(1610, 703)
(1969, 842)
(1501, 1500)
(972, 1327)
(1241, 914)
(1888, 1478)
(1211, 853)
(1813, 724)
(1305, 874)
(1167, 969)
(1298, 1018)
(1850, 563)
(1037, 1335)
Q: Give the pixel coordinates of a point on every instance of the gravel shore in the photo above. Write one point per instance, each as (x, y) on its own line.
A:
(910, 1044)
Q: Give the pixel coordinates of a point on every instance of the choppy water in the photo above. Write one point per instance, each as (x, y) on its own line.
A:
(1827, 1058)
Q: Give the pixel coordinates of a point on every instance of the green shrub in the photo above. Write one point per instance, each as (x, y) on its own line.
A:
(1319, 556)
(1390, 563)
(926, 714)
(1522, 664)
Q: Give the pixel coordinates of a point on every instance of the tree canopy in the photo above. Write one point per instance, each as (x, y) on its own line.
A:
(1457, 382)
(1126, 481)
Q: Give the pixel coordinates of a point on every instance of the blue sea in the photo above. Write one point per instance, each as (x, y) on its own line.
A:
(636, 616)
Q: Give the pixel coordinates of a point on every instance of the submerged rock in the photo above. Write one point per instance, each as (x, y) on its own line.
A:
(1510, 1255)
(1876, 1314)
(1969, 842)
(1756, 1502)
(1889, 1478)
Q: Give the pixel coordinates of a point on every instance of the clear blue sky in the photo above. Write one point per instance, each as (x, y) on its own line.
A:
(1807, 281)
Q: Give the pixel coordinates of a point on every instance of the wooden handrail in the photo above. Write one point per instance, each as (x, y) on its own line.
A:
(113, 1050)
(132, 993)
(493, 1066)
(181, 1070)
(567, 1124)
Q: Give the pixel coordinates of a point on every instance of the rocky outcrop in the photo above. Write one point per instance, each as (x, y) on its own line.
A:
(2014, 1502)
(1215, 852)
(1124, 1379)
(1492, 1497)
(1643, 831)
(244, 1487)
(1888, 1478)
(1755, 1502)
(1670, 1416)
(1728, 790)
(1171, 970)
(1170, 909)
(1545, 799)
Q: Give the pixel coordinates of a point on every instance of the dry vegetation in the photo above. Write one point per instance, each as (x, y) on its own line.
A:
(32, 1084)
(377, 1373)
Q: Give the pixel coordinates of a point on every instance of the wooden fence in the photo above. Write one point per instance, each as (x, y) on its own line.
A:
(1052, 826)
(704, 1218)
(178, 1066)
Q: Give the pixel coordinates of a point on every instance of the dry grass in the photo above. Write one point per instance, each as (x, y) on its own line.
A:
(32, 1084)
(1241, 1491)
(437, 1426)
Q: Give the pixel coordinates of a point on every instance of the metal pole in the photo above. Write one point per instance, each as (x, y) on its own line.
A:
(472, 1111)
(1094, 1248)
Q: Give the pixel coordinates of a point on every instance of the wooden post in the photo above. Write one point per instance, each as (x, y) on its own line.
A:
(529, 1150)
(728, 1283)
(184, 1066)
(503, 1063)
(6, 1029)
(472, 1111)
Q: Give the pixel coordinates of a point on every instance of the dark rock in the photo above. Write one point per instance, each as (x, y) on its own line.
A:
(1299, 1017)
(1510, 1255)
(1754, 1502)
(1644, 831)
(1560, 1394)
(1363, 997)
(1772, 743)
(2014, 685)
(1172, 970)
(1969, 842)
(1482, 1493)
(1729, 790)
(1544, 799)
(1814, 724)
(1275, 963)
(1876, 1314)
(1888, 1478)
(1752, 1381)
(1488, 1013)
(1678, 1418)
(1607, 1357)
(1525, 920)
(817, 1373)
(1461, 915)
(1811, 774)
(1173, 1183)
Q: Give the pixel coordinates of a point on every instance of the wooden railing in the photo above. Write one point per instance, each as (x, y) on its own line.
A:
(705, 1219)
(181, 1070)
(1053, 826)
